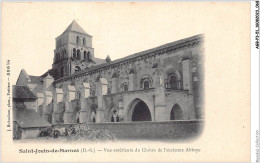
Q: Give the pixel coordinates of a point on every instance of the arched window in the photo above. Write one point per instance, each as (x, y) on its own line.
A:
(78, 40)
(77, 68)
(146, 82)
(74, 53)
(78, 54)
(84, 41)
(85, 55)
(125, 87)
(78, 95)
(146, 85)
(88, 56)
(173, 82)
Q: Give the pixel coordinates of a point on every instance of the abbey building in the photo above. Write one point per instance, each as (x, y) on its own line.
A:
(160, 84)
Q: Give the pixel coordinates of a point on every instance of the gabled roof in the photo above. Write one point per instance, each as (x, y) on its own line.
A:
(23, 92)
(74, 26)
(28, 118)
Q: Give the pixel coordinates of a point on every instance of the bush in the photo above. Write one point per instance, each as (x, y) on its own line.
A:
(82, 132)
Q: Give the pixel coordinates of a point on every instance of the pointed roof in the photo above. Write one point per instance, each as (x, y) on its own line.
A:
(108, 59)
(23, 92)
(74, 26)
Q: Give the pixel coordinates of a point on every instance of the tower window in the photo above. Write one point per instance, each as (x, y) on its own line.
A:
(78, 54)
(88, 56)
(78, 40)
(74, 53)
(85, 55)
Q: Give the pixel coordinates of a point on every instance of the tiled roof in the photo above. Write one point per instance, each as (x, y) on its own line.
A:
(74, 26)
(99, 61)
(28, 118)
(23, 92)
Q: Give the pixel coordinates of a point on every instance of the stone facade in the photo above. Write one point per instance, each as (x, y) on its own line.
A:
(159, 84)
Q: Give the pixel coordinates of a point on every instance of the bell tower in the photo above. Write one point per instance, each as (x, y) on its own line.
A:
(73, 51)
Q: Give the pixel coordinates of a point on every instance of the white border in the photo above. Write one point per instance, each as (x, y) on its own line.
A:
(254, 87)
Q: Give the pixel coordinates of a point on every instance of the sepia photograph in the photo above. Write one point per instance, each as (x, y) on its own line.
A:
(125, 81)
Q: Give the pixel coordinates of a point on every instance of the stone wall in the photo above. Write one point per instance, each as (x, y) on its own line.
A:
(171, 130)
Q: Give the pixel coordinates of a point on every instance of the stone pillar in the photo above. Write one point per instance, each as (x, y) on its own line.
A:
(187, 75)
(71, 94)
(121, 111)
(160, 101)
(46, 102)
(83, 102)
(191, 111)
(132, 84)
(115, 85)
(57, 98)
(40, 99)
(101, 89)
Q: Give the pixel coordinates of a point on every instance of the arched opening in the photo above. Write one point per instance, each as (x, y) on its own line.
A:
(77, 68)
(85, 55)
(141, 112)
(173, 82)
(146, 85)
(78, 40)
(78, 54)
(88, 56)
(125, 87)
(176, 113)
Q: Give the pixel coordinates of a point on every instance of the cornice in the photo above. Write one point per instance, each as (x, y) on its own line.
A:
(160, 50)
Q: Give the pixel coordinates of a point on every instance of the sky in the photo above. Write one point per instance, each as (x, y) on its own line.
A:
(118, 28)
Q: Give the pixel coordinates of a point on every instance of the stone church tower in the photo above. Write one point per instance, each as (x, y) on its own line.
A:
(73, 51)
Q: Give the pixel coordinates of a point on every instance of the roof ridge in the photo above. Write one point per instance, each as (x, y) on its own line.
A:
(75, 27)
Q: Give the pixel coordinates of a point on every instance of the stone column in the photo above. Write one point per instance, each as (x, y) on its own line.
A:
(121, 111)
(46, 102)
(58, 97)
(187, 75)
(187, 85)
(132, 83)
(83, 102)
(40, 99)
(68, 106)
(160, 101)
(115, 85)
(101, 89)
